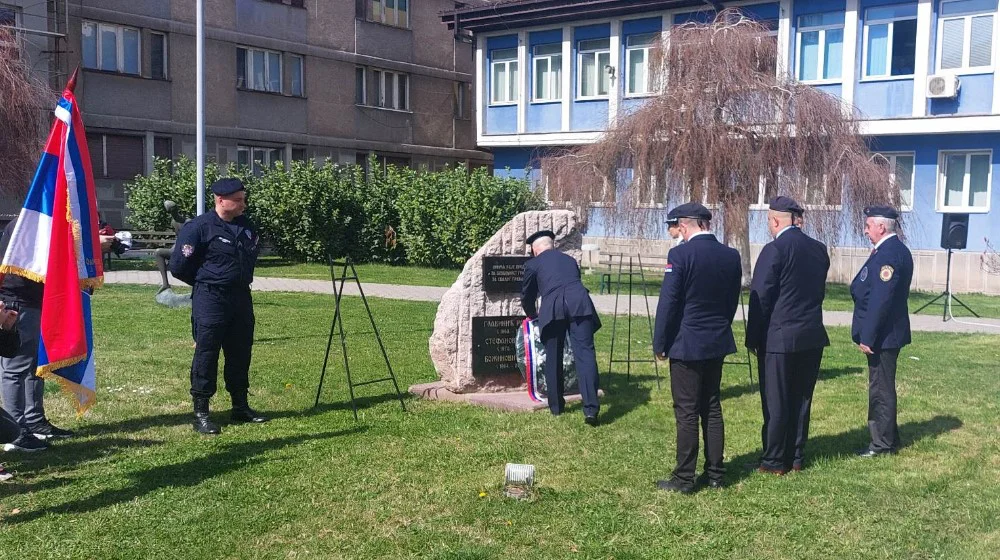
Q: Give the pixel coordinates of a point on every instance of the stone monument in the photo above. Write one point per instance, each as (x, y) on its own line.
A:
(472, 346)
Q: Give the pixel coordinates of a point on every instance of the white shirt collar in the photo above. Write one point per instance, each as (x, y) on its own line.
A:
(783, 230)
(881, 241)
(693, 235)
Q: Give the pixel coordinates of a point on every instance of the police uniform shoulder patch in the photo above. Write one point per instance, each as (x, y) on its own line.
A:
(885, 273)
(668, 268)
(187, 250)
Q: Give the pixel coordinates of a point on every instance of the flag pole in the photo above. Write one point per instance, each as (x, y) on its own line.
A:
(200, 105)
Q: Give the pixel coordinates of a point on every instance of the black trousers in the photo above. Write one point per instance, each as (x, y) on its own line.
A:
(787, 382)
(696, 393)
(581, 334)
(221, 319)
(882, 400)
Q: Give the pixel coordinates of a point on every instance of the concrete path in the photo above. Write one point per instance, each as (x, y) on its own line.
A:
(605, 303)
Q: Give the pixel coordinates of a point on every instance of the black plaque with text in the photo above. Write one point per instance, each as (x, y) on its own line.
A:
(494, 351)
(503, 274)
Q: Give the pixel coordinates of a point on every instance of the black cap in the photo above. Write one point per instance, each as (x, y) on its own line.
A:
(222, 187)
(882, 212)
(672, 216)
(785, 204)
(691, 210)
(538, 235)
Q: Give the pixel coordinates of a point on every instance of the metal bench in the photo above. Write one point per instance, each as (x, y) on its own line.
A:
(143, 242)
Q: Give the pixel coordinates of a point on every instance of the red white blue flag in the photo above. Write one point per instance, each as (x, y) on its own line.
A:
(55, 242)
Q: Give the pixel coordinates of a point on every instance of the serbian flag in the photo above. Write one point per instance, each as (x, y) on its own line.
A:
(55, 242)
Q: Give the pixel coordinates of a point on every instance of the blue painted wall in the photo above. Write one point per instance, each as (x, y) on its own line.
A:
(975, 97)
(587, 115)
(499, 119)
(885, 99)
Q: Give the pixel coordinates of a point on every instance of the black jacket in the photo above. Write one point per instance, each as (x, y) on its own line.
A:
(786, 295)
(556, 277)
(211, 251)
(698, 300)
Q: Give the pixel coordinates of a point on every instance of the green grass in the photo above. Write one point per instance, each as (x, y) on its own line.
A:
(139, 483)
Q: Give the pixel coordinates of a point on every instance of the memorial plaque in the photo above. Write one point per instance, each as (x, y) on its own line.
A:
(494, 350)
(503, 274)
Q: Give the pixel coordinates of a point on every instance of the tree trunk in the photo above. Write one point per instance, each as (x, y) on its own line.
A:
(737, 232)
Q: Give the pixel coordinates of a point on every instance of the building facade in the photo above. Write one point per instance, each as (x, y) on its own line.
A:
(284, 80)
(921, 74)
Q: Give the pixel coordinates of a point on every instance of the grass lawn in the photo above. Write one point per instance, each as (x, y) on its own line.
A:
(139, 483)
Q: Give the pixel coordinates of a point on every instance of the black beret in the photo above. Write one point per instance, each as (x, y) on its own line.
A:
(222, 187)
(785, 204)
(881, 212)
(691, 210)
(538, 235)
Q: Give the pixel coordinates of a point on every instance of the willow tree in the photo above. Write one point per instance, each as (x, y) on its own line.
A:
(24, 101)
(724, 125)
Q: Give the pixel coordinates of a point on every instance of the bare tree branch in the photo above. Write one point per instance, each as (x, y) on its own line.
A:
(24, 102)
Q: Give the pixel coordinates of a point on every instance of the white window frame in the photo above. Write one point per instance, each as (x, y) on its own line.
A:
(891, 22)
(966, 43)
(552, 84)
(383, 80)
(890, 158)
(513, 93)
(166, 56)
(297, 59)
(17, 15)
(942, 182)
(364, 85)
(382, 14)
(119, 46)
(248, 70)
(822, 29)
(645, 49)
(598, 68)
(250, 150)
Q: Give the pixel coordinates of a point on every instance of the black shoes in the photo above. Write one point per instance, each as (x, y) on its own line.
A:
(45, 430)
(869, 453)
(201, 423)
(247, 415)
(712, 483)
(27, 443)
(675, 485)
(590, 421)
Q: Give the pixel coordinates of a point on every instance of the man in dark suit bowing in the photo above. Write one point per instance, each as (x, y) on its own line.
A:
(785, 330)
(566, 307)
(698, 300)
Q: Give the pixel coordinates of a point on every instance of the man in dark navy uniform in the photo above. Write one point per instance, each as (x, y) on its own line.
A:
(566, 307)
(785, 330)
(216, 253)
(698, 300)
(881, 323)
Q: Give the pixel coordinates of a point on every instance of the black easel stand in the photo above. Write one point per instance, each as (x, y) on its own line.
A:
(628, 361)
(338, 325)
(749, 362)
(945, 295)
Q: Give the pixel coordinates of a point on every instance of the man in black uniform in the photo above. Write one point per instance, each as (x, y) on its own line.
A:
(566, 307)
(698, 300)
(881, 323)
(785, 330)
(216, 253)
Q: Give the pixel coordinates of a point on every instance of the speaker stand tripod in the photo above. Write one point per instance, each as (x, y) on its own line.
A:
(629, 360)
(946, 295)
(338, 324)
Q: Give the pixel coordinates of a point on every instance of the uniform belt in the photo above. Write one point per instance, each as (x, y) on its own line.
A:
(223, 287)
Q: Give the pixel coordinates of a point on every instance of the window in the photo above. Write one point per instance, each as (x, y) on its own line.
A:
(821, 47)
(460, 90)
(901, 171)
(158, 56)
(391, 12)
(503, 76)
(890, 41)
(296, 68)
(548, 72)
(965, 34)
(116, 156)
(637, 63)
(360, 86)
(964, 181)
(112, 48)
(257, 158)
(9, 16)
(595, 56)
(382, 88)
(258, 70)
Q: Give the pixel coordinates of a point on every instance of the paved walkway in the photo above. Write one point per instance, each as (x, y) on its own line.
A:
(605, 303)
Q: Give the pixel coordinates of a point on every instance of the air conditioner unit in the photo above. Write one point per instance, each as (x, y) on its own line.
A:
(942, 86)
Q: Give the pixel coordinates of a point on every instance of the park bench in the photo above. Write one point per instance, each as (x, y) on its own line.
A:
(646, 266)
(143, 243)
